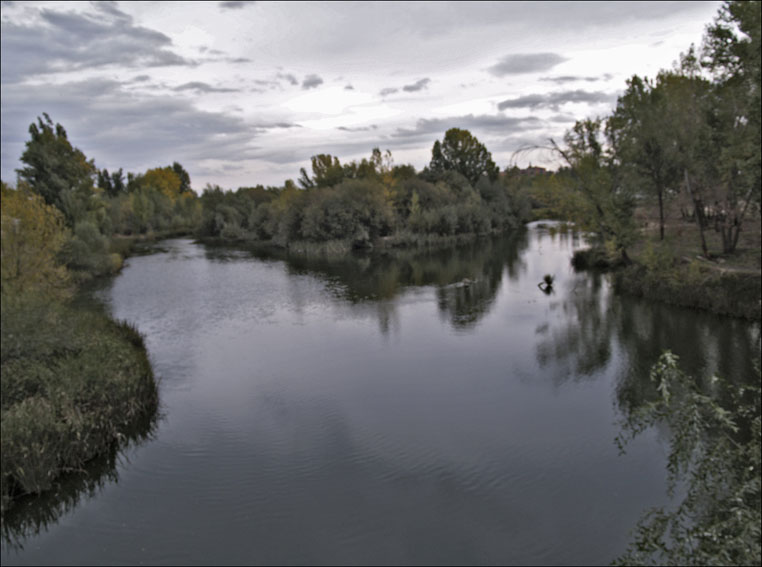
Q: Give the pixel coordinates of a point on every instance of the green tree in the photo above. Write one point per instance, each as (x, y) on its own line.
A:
(731, 52)
(55, 169)
(183, 176)
(687, 98)
(111, 183)
(460, 151)
(326, 172)
(715, 453)
(607, 204)
(641, 144)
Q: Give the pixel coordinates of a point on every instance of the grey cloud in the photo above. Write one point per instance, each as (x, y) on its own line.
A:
(288, 77)
(235, 5)
(417, 86)
(199, 86)
(358, 128)
(111, 9)
(425, 127)
(65, 41)
(274, 125)
(521, 142)
(271, 83)
(525, 63)
(219, 171)
(118, 129)
(556, 100)
(298, 155)
(499, 131)
(575, 78)
(569, 79)
(141, 78)
(349, 88)
(562, 118)
(311, 82)
(218, 55)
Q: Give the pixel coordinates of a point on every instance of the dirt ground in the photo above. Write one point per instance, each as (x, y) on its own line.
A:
(682, 237)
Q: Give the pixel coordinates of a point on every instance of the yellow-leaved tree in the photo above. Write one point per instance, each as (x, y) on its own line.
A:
(163, 179)
(32, 235)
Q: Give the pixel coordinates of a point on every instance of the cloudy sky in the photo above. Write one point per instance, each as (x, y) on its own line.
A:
(243, 93)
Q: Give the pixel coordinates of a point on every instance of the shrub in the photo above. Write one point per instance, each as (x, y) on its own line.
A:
(72, 383)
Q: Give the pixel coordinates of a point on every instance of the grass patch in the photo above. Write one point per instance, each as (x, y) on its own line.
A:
(74, 382)
(595, 258)
(692, 285)
(683, 240)
(674, 271)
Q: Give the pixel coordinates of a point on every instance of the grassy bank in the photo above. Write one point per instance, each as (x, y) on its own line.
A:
(402, 240)
(690, 285)
(658, 276)
(675, 271)
(74, 382)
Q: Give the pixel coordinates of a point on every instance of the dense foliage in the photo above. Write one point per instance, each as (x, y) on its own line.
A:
(691, 136)
(33, 234)
(715, 454)
(363, 202)
(71, 382)
(462, 152)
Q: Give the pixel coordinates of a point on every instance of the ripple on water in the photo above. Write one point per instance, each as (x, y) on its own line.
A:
(310, 417)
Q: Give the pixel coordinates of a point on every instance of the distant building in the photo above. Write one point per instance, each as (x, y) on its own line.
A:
(533, 170)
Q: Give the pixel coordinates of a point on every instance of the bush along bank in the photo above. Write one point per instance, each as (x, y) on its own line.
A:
(726, 293)
(733, 293)
(403, 240)
(74, 385)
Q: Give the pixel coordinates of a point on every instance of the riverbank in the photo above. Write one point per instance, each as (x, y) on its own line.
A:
(403, 240)
(687, 283)
(74, 383)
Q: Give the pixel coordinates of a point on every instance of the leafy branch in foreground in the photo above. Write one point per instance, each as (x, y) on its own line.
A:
(715, 454)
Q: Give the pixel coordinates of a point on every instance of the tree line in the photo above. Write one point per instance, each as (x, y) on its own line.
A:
(458, 193)
(691, 135)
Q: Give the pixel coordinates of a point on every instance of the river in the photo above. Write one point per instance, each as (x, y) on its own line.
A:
(408, 408)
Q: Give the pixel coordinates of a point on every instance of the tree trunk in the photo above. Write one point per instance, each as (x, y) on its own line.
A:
(661, 214)
(730, 236)
(699, 208)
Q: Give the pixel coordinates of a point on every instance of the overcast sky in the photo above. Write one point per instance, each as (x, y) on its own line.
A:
(243, 93)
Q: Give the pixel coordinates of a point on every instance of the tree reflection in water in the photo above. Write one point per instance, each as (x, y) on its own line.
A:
(32, 515)
(581, 343)
(467, 277)
(592, 320)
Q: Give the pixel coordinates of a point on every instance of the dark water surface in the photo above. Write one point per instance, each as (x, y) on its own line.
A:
(409, 408)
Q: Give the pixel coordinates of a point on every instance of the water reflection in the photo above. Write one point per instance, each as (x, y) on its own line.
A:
(467, 277)
(34, 514)
(594, 328)
(707, 345)
(580, 338)
(406, 407)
